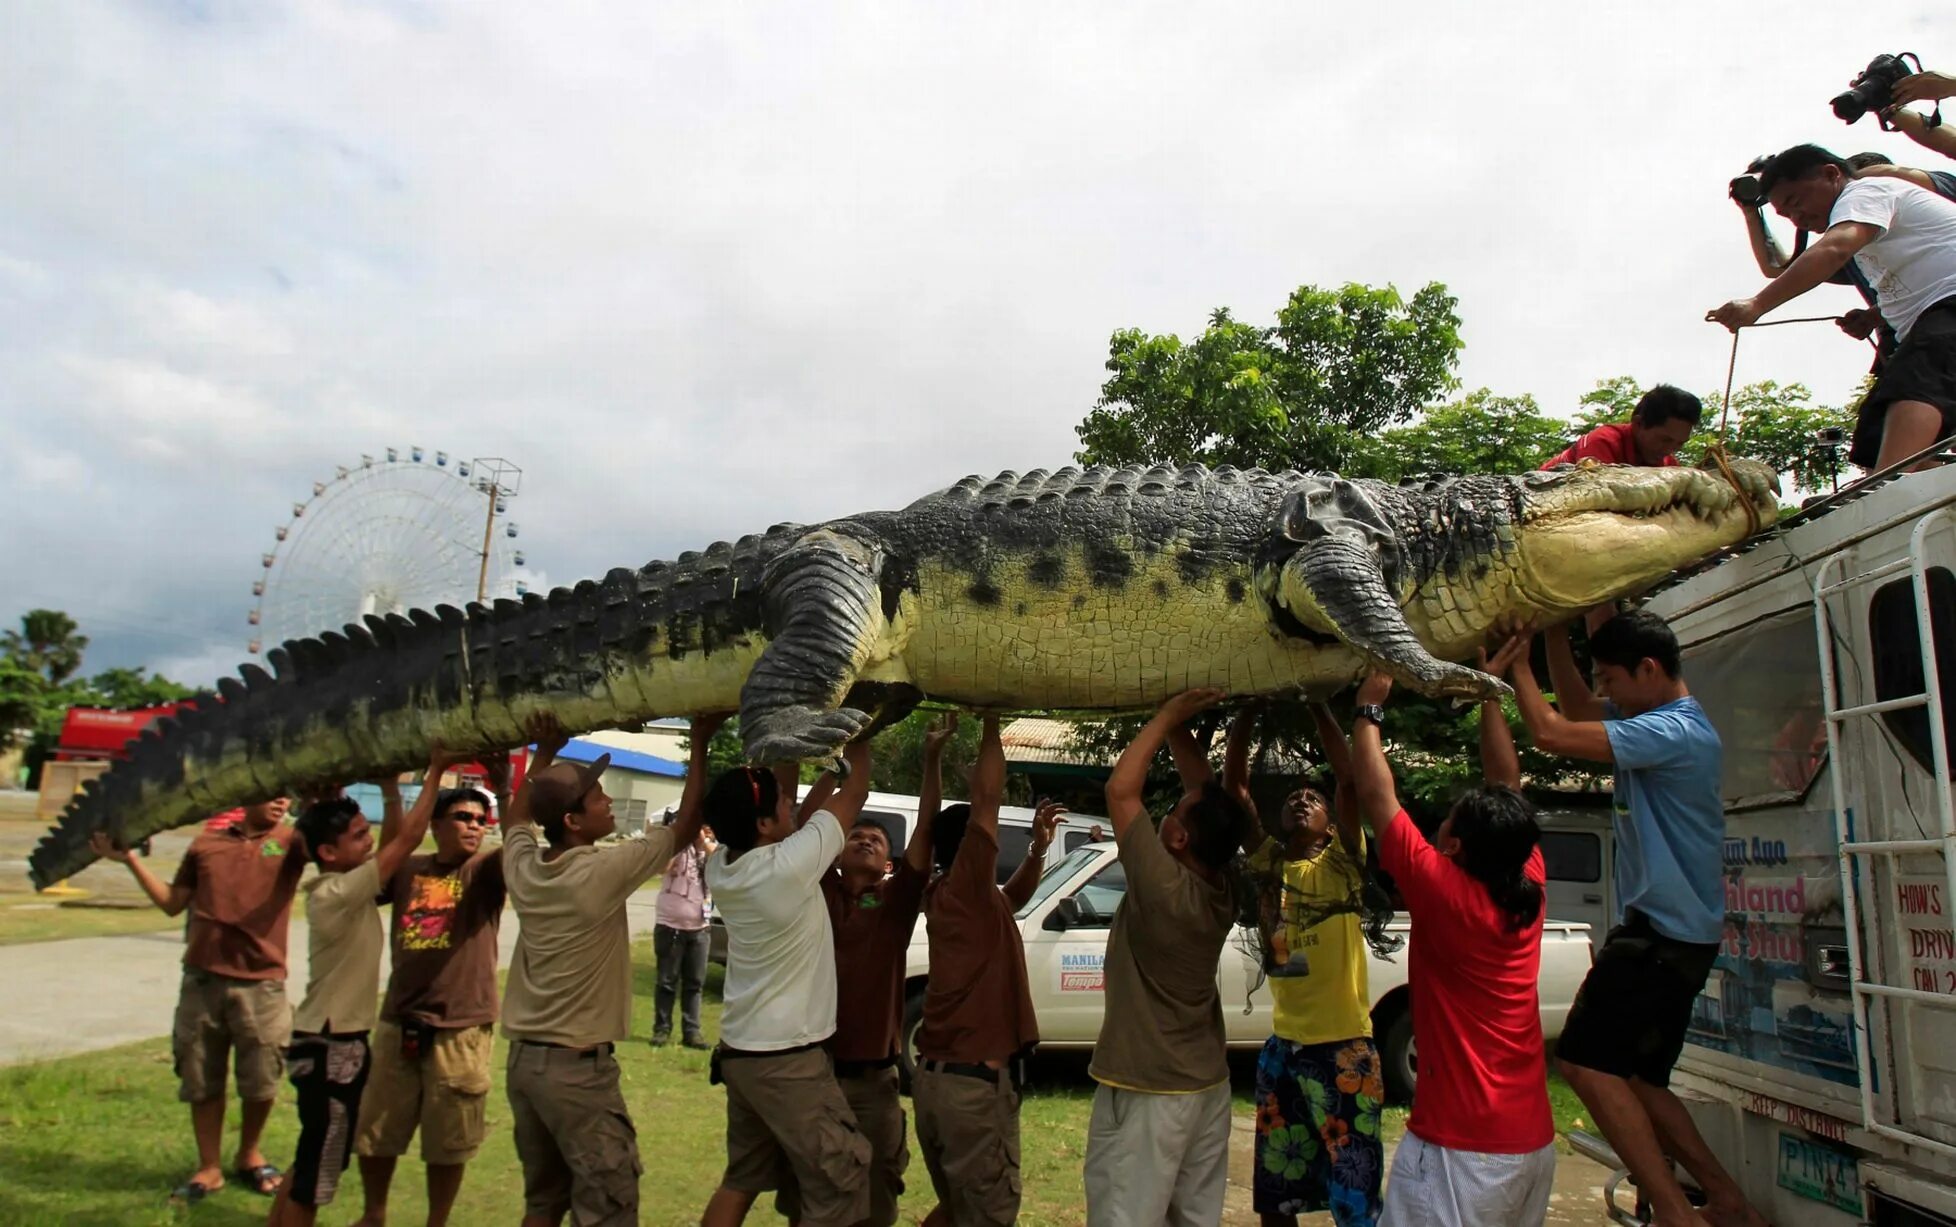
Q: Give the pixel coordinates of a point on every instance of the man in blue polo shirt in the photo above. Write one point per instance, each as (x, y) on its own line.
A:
(1627, 1027)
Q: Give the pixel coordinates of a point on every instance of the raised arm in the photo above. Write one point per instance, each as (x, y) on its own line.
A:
(1045, 820)
(1551, 729)
(1766, 251)
(1572, 690)
(1915, 126)
(1128, 781)
(988, 779)
(689, 814)
(170, 899)
(1371, 776)
(1345, 805)
(930, 793)
(1236, 757)
(1191, 765)
(390, 807)
(399, 844)
(1500, 764)
(548, 737)
(850, 794)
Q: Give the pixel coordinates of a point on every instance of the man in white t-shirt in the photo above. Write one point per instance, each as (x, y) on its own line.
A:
(784, 1106)
(569, 997)
(1903, 239)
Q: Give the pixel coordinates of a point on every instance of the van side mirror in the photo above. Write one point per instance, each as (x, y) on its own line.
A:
(1065, 915)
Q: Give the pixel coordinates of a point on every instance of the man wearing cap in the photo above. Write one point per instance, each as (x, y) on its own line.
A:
(569, 997)
(432, 1047)
(785, 1111)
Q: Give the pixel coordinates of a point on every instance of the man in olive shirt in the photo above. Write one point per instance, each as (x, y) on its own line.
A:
(569, 997)
(1158, 1143)
(978, 1016)
(328, 1059)
(238, 881)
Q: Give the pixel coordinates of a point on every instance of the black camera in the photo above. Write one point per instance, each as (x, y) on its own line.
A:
(1746, 189)
(1874, 89)
(1830, 436)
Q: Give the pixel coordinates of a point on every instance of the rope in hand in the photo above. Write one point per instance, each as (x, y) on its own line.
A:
(1716, 451)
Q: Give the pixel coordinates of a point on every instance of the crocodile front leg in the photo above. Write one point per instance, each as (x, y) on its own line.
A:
(823, 615)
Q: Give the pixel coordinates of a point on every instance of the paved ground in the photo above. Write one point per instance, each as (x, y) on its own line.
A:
(86, 993)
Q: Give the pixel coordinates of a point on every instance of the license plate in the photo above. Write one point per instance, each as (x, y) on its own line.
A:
(1820, 1172)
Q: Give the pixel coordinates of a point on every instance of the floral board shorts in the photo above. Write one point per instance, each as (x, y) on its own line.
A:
(1317, 1130)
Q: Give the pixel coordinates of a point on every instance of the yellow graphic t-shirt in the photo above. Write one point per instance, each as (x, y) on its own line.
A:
(1333, 1002)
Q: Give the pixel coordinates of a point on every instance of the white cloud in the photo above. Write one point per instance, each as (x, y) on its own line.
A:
(700, 270)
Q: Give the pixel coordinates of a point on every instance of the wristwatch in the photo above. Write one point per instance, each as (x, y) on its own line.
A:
(1370, 711)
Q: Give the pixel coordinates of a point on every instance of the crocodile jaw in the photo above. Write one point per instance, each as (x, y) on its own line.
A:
(1596, 534)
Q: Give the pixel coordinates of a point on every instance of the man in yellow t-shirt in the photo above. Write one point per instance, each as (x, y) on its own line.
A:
(1319, 1085)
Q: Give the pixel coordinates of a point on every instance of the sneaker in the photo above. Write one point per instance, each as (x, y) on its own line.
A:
(661, 1038)
(695, 1041)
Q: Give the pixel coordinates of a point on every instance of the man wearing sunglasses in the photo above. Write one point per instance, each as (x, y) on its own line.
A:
(432, 1047)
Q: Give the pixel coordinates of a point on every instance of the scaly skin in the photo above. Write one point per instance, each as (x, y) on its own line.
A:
(1096, 591)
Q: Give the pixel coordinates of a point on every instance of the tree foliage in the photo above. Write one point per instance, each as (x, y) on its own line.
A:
(1337, 367)
(1479, 433)
(37, 686)
(46, 643)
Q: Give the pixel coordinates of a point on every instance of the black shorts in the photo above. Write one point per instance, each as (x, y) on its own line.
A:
(1634, 1007)
(329, 1072)
(1922, 368)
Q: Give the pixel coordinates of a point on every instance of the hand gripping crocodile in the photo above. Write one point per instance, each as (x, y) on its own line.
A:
(1097, 590)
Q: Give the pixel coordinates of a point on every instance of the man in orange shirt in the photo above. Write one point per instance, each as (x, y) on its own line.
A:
(1657, 428)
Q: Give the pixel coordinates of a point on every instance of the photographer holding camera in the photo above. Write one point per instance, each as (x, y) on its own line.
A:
(1886, 87)
(1860, 323)
(1902, 237)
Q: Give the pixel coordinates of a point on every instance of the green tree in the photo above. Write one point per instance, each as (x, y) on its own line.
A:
(47, 643)
(1479, 433)
(1338, 367)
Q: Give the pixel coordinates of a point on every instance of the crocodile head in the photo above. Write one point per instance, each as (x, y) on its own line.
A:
(1592, 534)
(1415, 577)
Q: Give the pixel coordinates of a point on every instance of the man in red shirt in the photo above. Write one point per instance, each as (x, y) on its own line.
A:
(1480, 1145)
(1661, 423)
(237, 882)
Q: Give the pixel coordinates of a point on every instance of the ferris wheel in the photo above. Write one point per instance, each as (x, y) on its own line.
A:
(403, 531)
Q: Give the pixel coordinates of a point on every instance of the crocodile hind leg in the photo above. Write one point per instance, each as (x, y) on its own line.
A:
(823, 614)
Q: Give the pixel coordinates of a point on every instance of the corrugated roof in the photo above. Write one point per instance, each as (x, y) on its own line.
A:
(1037, 740)
(581, 751)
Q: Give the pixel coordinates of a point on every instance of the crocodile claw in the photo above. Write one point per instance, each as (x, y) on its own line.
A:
(800, 733)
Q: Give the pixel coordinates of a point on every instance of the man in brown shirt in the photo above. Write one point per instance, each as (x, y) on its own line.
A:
(238, 881)
(432, 1046)
(978, 1017)
(1158, 1143)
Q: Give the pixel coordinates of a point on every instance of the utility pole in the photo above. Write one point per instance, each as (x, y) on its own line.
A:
(499, 480)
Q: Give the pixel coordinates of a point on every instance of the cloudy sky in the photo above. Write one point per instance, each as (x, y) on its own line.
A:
(701, 268)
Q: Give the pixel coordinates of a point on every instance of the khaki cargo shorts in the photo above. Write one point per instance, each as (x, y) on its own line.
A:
(441, 1093)
(877, 1104)
(786, 1117)
(573, 1134)
(968, 1129)
(218, 1016)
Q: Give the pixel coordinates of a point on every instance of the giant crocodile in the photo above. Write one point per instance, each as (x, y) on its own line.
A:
(1096, 590)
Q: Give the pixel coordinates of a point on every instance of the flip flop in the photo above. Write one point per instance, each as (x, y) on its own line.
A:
(190, 1192)
(262, 1180)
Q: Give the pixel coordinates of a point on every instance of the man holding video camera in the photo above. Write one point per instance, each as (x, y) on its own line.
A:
(1902, 238)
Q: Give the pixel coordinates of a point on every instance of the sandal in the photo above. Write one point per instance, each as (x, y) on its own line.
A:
(262, 1180)
(190, 1192)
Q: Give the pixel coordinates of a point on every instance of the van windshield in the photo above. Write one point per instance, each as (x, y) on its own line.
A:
(1058, 874)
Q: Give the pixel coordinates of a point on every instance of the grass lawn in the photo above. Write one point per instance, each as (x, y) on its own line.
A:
(101, 1139)
(42, 919)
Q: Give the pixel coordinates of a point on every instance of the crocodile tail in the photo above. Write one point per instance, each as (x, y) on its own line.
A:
(368, 701)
